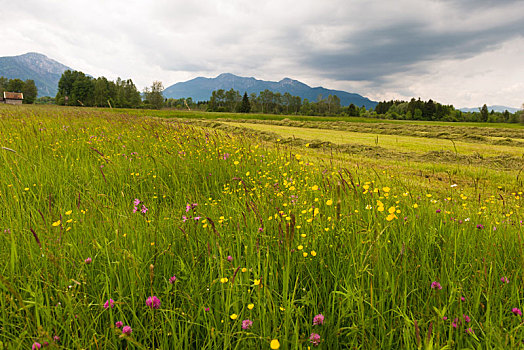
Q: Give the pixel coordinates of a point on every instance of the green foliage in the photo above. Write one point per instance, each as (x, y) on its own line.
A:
(154, 95)
(77, 89)
(28, 88)
(245, 107)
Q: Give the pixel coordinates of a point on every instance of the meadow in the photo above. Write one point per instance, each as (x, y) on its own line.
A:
(122, 230)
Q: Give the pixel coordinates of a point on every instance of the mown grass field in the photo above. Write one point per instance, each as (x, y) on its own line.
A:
(126, 231)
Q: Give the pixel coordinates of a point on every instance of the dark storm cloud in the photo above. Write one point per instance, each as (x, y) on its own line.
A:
(373, 54)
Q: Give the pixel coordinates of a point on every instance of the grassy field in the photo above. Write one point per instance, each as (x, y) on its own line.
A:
(124, 231)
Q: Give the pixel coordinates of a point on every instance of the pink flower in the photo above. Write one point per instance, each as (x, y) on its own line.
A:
(318, 319)
(118, 324)
(504, 280)
(172, 279)
(470, 331)
(314, 338)
(455, 323)
(246, 324)
(88, 261)
(516, 311)
(436, 285)
(127, 330)
(36, 345)
(466, 318)
(136, 202)
(153, 302)
(144, 209)
(109, 303)
(229, 258)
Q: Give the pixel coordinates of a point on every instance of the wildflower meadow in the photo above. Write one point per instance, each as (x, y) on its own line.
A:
(130, 232)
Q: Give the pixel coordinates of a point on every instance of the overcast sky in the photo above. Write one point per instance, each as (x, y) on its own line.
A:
(460, 52)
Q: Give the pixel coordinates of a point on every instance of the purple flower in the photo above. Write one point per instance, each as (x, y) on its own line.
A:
(229, 258)
(436, 285)
(135, 209)
(127, 330)
(455, 323)
(36, 345)
(318, 319)
(144, 209)
(246, 324)
(480, 226)
(109, 303)
(516, 311)
(88, 261)
(136, 202)
(462, 299)
(196, 218)
(466, 318)
(172, 279)
(504, 280)
(438, 211)
(206, 309)
(314, 339)
(118, 324)
(153, 302)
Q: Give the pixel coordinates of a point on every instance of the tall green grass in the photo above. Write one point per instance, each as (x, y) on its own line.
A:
(250, 231)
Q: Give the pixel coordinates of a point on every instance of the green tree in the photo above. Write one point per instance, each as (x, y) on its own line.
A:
(155, 96)
(30, 91)
(245, 106)
(484, 113)
(15, 85)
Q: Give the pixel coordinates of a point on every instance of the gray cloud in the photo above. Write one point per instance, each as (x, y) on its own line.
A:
(380, 48)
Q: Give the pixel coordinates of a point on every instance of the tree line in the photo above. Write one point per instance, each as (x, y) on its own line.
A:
(271, 102)
(78, 89)
(28, 88)
(430, 110)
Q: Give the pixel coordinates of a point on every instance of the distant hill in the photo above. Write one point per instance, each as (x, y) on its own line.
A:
(44, 71)
(200, 89)
(490, 108)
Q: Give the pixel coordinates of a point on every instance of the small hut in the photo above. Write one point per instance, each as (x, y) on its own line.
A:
(13, 98)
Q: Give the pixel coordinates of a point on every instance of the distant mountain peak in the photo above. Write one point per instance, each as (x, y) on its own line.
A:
(200, 89)
(45, 71)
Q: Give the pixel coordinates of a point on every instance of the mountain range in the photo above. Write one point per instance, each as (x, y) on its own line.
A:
(200, 89)
(44, 71)
(495, 108)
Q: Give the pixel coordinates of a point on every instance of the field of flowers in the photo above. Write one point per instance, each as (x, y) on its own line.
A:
(121, 232)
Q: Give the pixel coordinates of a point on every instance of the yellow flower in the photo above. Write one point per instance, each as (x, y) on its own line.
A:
(304, 254)
(256, 282)
(223, 280)
(275, 344)
(56, 223)
(244, 269)
(313, 253)
(415, 205)
(391, 210)
(386, 189)
(68, 212)
(314, 187)
(300, 247)
(251, 306)
(380, 208)
(329, 202)
(234, 316)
